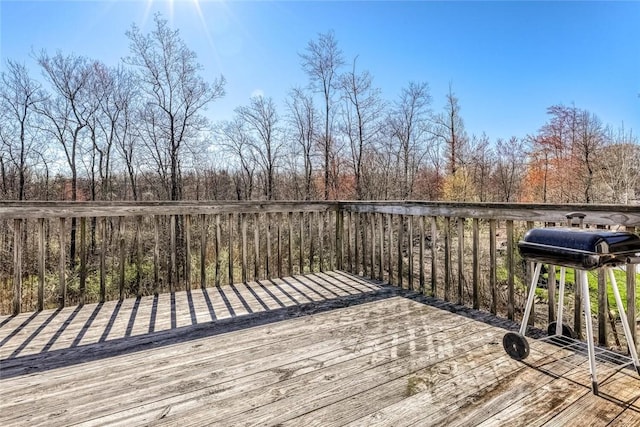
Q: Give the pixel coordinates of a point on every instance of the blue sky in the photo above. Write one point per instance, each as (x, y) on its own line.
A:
(507, 61)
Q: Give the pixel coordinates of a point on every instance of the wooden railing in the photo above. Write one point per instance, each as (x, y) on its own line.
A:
(461, 252)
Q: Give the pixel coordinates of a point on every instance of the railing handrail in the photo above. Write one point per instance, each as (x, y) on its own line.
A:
(625, 215)
(45, 209)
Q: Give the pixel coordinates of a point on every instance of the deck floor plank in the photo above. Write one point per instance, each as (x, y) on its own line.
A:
(325, 349)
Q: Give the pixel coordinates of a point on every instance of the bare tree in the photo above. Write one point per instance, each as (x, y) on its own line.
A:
(510, 161)
(619, 167)
(449, 128)
(407, 123)
(20, 97)
(322, 61)
(67, 113)
(235, 141)
(175, 93)
(361, 125)
(265, 138)
(303, 118)
(479, 161)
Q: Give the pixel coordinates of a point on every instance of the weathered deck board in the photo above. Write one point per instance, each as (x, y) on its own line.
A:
(326, 349)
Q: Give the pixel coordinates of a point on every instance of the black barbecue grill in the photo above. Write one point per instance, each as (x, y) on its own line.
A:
(583, 250)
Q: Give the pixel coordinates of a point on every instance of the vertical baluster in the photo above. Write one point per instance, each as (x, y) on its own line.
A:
(17, 266)
(83, 260)
(139, 256)
(217, 247)
(62, 295)
(421, 220)
(256, 246)
(230, 247)
(41, 263)
(320, 218)
(187, 255)
(172, 264)
(510, 271)
(122, 244)
(400, 243)
(447, 259)
(301, 247)
(461, 278)
(243, 225)
(493, 267)
(290, 246)
(203, 251)
(410, 247)
(380, 246)
(279, 246)
(434, 256)
(267, 261)
(631, 270)
(476, 263)
(103, 258)
(390, 247)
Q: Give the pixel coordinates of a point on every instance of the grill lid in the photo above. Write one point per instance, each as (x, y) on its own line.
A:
(584, 249)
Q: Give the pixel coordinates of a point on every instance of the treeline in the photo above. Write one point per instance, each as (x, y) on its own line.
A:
(138, 131)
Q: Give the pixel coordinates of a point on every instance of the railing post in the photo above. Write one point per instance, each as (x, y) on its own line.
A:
(17, 266)
(421, 254)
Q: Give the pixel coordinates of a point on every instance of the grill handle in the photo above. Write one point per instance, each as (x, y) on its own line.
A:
(633, 259)
(579, 215)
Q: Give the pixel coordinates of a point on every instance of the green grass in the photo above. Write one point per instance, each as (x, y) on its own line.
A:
(592, 277)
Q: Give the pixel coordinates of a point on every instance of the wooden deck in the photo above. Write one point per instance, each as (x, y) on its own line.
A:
(323, 349)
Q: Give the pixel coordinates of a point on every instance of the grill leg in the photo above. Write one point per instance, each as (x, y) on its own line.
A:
(589, 326)
(623, 317)
(532, 293)
(563, 271)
